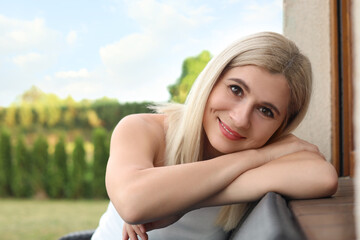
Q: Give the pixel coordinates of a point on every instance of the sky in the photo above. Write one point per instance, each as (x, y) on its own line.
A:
(131, 50)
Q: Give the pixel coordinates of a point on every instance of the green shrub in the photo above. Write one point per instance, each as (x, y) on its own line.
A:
(101, 155)
(77, 176)
(5, 163)
(22, 182)
(40, 158)
(58, 172)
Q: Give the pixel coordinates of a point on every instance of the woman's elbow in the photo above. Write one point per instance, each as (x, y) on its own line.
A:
(129, 209)
(330, 181)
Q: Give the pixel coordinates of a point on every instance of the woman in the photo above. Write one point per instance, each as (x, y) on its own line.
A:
(188, 171)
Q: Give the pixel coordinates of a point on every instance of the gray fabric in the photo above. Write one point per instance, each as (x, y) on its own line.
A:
(195, 225)
(271, 219)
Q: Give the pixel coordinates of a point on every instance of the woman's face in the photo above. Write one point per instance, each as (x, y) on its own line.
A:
(246, 106)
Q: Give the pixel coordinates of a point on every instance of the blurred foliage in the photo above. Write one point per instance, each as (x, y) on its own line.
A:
(101, 155)
(22, 184)
(52, 147)
(59, 177)
(36, 110)
(40, 156)
(5, 163)
(191, 68)
(78, 170)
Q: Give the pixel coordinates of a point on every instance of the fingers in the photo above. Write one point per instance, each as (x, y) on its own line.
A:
(133, 231)
(125, 235)
(286, 145)
(140, 230)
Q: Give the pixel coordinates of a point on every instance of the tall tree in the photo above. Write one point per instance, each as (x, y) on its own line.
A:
(40, 157)
(26, 115)
(191, 68)
(5, 163)
(58, 171)
(70, 112)
(22, 184)
(10, 116)
(108, 110)
(101, 155)
(77, 178)
(53, 111)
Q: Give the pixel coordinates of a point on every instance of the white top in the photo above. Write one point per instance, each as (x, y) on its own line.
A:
(195, 225)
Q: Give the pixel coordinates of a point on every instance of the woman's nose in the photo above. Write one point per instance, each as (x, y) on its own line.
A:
(240, 116)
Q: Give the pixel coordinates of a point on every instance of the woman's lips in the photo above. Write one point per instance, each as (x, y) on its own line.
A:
(228, 132)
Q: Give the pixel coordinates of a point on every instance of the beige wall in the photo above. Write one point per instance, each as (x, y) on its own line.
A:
(307, 23)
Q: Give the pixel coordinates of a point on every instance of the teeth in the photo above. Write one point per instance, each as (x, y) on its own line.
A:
(226, 129)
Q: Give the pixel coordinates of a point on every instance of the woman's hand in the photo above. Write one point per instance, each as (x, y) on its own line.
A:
(286, 145)
(132, 231)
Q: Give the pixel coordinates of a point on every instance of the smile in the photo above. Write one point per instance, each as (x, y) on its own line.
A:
(228, 133)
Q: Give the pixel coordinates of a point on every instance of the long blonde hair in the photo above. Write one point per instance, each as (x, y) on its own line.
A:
(272, 51)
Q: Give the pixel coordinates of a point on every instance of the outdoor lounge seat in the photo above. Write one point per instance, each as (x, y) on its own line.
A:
(270, 219)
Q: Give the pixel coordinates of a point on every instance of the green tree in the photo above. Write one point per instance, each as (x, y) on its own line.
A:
(58, 171)
(101, 155)
(22, 184)
(77, 180)
(10, 116)
(40, 161)
(70, 112)
(34, 94)
(53, 111)
(5, 163)
(108, 110)
(93, 119)
(191, 68)
(26, 115)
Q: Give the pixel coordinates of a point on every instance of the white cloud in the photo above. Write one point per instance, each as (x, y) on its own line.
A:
(71, 37)
(262, 12)
(84, 89)
(143, 64)
(80, 84)
(157, 50)
(30, 58)
(127, 58)
(82, 73)
(22, 35)
(167, 18)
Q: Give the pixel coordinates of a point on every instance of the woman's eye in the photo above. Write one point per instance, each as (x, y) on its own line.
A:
(266, 112)
(236, 90)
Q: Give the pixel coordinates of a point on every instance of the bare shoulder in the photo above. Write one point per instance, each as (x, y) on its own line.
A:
(152, 124)
(139, 136)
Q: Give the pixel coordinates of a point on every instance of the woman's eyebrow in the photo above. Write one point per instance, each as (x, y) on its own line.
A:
(242, 83)
(247, 88)
(272, 106)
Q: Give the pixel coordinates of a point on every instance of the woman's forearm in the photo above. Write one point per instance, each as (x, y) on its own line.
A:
(168, 190)
(298, 175)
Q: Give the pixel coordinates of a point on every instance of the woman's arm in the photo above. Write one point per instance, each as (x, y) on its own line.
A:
(298, 175)
(143, 193)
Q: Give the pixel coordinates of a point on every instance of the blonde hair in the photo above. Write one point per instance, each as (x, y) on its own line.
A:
(272, 51)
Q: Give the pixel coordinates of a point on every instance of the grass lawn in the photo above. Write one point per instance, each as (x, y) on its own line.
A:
(47, 219)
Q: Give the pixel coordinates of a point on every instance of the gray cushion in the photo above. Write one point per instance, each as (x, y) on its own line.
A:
(270, 219)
